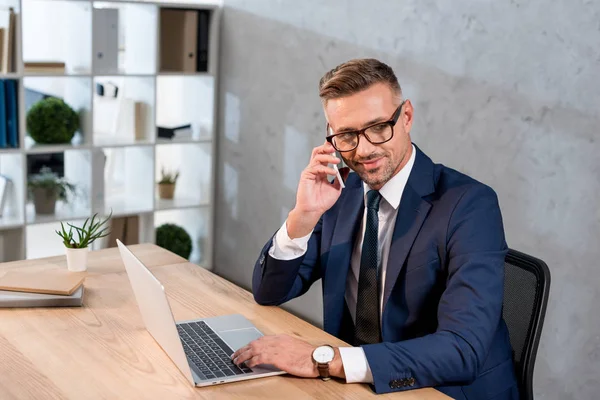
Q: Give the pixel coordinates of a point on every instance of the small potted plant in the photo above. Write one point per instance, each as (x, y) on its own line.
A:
(77, 247)
(166, 185)
(175, 239)
(45, 187)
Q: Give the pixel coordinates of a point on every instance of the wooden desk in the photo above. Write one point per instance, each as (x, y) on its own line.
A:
(102, 350)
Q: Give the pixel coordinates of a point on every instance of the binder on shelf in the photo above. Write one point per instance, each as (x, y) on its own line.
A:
(126, 229)
(3, 122)
(8, 41)
(202, 50)
(175, 132)
(178, 40)
(105, 22)
(2, 33)
(12, 113)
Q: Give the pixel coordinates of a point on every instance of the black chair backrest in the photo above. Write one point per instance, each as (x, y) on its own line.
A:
(526, 289)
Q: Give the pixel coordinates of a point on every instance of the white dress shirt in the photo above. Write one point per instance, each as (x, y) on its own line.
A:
(354, 360)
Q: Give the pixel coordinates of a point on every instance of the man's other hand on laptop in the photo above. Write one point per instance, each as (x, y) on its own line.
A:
(287, 353)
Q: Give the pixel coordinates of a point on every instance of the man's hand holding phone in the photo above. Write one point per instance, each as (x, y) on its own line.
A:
(315, 193)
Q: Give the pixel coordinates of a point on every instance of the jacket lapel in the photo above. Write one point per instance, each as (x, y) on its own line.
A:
(338, 263)
(412, 213)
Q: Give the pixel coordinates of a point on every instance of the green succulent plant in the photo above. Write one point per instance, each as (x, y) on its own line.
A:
(91, 230)
(168, 177)
(175, 239)
(50, 181)
(52, 121)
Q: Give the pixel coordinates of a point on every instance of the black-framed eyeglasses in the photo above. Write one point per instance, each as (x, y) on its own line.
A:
(377, 133)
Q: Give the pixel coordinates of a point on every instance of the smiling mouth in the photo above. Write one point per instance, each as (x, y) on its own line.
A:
(370, 164)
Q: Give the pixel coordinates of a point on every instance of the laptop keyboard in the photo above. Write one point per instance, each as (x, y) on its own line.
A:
(210, 355)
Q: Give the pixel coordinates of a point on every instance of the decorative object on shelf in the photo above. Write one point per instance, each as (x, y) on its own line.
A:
(77, 248)
(175, 239)
(166, 185)
(5, 183)
(45, 188)
(52, 121)
(175, 132)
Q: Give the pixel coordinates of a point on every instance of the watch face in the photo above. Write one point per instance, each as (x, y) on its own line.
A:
(323, 354)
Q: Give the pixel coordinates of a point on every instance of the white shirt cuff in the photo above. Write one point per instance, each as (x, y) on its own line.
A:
(356, 366)
(284, 248)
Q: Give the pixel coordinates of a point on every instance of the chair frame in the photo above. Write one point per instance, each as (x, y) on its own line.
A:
(542, 273)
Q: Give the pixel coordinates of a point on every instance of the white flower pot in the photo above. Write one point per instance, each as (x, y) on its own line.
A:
(77, 259)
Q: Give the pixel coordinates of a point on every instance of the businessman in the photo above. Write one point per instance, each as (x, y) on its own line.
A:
(410, 254)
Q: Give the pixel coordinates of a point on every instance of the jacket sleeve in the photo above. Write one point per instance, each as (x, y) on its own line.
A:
(276, 281)
(469, 310)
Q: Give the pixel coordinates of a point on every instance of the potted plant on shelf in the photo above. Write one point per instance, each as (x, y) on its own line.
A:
(166, 185)
(52, 121)
(45, 187)
(175, 239)
(77, 248)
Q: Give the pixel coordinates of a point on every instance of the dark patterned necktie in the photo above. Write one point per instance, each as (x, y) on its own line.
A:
(367, 328)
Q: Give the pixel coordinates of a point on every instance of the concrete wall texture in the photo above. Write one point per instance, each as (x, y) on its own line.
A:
(507, 92)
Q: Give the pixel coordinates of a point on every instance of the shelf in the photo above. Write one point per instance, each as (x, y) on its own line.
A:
(63, 213)
(128, 118)
(46, 23)
(10, 150)
(10, 222)
(182, 100)
(176, 73)
(111, 142)
(161, 141)
(10, 75)
(124, 38)
(121, 206)
(54, 148)
(179, 203)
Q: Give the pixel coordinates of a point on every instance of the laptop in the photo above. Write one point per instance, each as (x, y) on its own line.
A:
(200, 348)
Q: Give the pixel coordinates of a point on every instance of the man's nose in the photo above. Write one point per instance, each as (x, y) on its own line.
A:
(365, 148)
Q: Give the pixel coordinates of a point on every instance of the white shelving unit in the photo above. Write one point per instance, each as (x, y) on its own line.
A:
(70, 31)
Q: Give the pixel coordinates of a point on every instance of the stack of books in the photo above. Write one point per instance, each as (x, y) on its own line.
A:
(44, 67)
(9, 113)
(50, 286)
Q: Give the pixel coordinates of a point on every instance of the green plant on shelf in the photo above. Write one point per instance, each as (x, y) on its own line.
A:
(92, 229)
(175, 239)
(52, 121)
(50, 184)
(167, 177)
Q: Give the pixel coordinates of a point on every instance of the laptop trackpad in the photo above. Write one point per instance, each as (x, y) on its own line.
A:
(239, 337)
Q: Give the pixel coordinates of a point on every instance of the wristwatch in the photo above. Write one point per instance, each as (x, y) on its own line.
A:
(322, 356)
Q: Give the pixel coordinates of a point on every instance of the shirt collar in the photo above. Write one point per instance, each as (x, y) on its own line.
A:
(393, 189)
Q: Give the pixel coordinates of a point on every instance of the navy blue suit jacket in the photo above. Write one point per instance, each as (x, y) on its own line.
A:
(442, 318)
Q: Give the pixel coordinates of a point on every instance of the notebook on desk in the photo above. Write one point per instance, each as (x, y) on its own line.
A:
(10, 299)
(48, 279)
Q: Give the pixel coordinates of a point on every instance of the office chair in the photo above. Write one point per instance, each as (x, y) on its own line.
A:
(526, 289)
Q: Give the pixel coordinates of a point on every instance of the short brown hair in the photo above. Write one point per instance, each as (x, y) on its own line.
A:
(354, 76)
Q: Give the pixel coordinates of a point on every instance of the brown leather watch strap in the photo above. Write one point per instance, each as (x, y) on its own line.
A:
(324, 371)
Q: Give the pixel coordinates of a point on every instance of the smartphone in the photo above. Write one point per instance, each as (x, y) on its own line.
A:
(337, 171)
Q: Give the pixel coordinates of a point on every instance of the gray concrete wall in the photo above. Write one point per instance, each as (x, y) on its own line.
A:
(508, 92)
